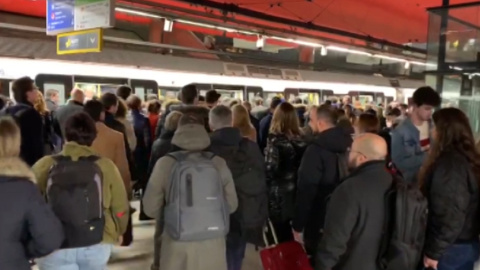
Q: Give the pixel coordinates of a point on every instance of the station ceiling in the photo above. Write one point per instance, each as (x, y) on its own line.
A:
(391, 20)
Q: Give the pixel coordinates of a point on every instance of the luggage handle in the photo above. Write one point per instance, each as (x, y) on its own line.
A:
(274, 235)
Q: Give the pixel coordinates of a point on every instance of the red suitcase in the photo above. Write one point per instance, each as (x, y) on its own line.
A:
(284, 256)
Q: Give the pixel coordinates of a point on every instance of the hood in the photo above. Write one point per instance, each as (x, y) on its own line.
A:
(170, 103)
(15, 167)
(75, 150)
(191, 137)
(226, 136)
(335, 139)
(193, 109)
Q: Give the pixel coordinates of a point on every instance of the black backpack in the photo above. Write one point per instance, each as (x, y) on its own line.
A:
(75, 193)
(251, 187)
(405, 227)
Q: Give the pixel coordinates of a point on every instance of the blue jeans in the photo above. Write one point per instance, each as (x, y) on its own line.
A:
(235, 253)
(87, 258)
(460, 257)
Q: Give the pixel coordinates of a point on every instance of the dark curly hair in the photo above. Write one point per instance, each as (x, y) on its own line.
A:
(453, 134)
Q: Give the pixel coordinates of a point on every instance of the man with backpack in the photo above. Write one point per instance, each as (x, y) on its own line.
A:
(247, 165)
(374, 220)
(87, 194)
(194, 191)
(323, 166)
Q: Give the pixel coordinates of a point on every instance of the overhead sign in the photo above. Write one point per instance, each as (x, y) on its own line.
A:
(80, 42)
(73, 15)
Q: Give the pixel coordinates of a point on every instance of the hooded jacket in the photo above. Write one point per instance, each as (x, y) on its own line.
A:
(193, 255)
(28, 227)
(115, 201)
(198, 111)
(317, 178)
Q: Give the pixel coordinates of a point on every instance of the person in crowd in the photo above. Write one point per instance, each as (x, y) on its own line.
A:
(392, 121)
(191, 255)
(318, 175)
(259, 111)
(151, 97)
(80, 132)
(241, 120)
(307, 129)
(283, 154)
(51, 129)
(404, 109)
(28, 227)
(301, 110)
(141, 125)
(255, 122)
(450, 181)
(381, 117)
(346, 102)
(52, 98)
(367, 123)
(163, 145)
(154, 107)
(124, 91)
(266, 121)
(211, 98)
(28, 119)
(356, 212)
(3, 102)
(73, 106)
(189, 98)
(246, 163)
(109, 143)
(344, 122)
(411, 138)
(121, 116)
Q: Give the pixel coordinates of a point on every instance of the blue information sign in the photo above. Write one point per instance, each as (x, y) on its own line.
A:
(60, 16)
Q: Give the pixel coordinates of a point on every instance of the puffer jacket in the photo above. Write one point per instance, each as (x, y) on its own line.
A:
(282, 157)
(28, 227)
(453, 198)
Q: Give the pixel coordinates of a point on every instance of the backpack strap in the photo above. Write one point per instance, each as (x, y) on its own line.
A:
(92, 158)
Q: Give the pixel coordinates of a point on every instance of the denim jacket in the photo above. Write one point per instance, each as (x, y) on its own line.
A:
(407, 154)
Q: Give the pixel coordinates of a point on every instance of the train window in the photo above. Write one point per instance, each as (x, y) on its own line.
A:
(310, 98)
(167, 94)
(269, 95)
(89, 89)
(144, 89)
(253, 92)
(60, 88)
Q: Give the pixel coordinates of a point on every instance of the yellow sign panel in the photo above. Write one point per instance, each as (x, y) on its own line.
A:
(80, 42)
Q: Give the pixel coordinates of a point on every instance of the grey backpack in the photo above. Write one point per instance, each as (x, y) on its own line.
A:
(196, 208)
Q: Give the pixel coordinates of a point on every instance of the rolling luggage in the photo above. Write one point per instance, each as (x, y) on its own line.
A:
(283, 256)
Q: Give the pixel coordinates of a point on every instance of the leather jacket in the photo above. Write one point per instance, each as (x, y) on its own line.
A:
(282, 157)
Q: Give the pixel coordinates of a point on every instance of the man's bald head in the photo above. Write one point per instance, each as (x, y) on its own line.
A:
(367, 147)
(77, 95)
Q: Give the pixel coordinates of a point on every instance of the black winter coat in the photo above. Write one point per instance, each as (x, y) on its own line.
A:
(28, 227)
(453, 198)
(160, 148)
(282, 158)
(354, 220)
(317, 178)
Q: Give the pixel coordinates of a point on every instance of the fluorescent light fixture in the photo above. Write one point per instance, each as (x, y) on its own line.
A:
(407, 65)
(323, 51)
(345, 50)
(260, 42)
(139, 13)
(167, 25)
(389, 58)
(456, 68)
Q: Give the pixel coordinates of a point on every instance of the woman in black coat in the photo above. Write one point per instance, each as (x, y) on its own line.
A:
(450, 180)
(28, 227)
(283, 155)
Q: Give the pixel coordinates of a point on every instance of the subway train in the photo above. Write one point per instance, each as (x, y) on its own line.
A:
(165, 78)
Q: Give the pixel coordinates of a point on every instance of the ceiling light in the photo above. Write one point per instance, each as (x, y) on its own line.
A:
(260, 42)
(345, 50)
(407, 65)
(167, 25)
(139, 13)
(323, 51)
(389, 58)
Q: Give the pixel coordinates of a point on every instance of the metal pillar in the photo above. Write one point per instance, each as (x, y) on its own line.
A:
(442, 42)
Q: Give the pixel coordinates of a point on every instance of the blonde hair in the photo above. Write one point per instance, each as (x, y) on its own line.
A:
(285, 120)
(10, 138)
(241, 119)
(40, 105)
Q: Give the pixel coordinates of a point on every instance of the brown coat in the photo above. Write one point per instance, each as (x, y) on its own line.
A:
(110, 144)
(200, 255)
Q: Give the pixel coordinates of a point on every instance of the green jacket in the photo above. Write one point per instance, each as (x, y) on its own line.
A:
(115, 202)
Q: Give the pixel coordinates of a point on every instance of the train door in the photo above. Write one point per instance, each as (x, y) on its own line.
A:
(380, 99)
(252, 92)
(168, 93)
(361, 99)
(267, 97)
(62, 83)
(96, 86)
(230, 91)
(330, 95)
(144, 88)
(310, 96)
(5, 85)
(290, 94)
